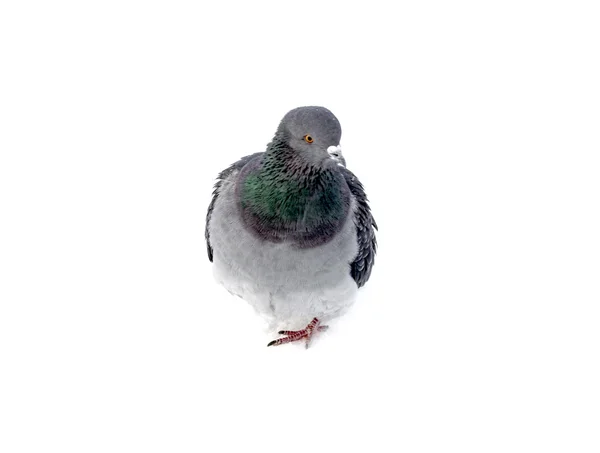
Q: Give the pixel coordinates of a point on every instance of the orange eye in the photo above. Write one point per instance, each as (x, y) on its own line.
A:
(308, 139)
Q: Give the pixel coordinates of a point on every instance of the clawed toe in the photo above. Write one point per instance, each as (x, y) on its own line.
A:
(295, 335)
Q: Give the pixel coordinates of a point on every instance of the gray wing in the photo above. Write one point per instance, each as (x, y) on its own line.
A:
(222, 176)
(360, 268)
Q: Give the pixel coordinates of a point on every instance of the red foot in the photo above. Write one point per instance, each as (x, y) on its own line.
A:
(295, 335)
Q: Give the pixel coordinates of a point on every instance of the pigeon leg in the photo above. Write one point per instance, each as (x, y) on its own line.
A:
(295, 335)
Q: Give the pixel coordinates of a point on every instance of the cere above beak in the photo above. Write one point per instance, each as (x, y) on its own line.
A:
(335, 153)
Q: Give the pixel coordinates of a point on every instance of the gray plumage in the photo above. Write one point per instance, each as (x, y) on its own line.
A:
(290, 229)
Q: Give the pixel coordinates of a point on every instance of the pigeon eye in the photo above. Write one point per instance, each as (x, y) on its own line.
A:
(308, 139)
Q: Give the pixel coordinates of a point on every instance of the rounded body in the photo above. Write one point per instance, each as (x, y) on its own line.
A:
(285, 283)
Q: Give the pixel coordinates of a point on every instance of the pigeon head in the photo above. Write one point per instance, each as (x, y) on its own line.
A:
(313, 133)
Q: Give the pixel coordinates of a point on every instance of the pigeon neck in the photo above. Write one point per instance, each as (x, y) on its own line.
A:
(284, 199)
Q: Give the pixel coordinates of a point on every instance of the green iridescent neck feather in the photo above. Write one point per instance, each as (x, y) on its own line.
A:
(283, 198)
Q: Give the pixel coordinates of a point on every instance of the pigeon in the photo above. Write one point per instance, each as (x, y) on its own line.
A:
(290, 229)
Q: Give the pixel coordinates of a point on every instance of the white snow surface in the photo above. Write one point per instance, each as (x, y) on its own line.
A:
(474, 129)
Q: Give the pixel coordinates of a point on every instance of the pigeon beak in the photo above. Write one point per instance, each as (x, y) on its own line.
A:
(335, 153)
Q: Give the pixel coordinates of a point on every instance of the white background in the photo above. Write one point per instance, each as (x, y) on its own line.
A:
(475, 130)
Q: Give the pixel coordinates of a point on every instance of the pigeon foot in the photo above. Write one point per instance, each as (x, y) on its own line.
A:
(296, 335)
